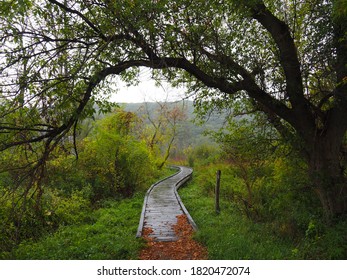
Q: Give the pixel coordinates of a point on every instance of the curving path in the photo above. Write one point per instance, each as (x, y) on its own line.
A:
(162, 205)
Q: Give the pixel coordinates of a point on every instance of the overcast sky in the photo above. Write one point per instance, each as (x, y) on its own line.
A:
(146, 91)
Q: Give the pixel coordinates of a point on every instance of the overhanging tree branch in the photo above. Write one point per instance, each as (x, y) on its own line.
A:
(83, 17)
(287, 49)
(289, 60)
(251, 87)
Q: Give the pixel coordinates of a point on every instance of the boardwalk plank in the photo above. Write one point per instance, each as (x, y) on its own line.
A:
(162, 206)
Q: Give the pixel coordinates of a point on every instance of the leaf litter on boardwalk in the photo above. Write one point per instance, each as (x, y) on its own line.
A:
(185, 248)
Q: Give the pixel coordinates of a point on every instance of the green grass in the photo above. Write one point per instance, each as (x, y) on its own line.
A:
(229, 235)
(108, 233)
(110, 236)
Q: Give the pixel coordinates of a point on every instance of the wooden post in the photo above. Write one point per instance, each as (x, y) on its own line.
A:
(217, 207)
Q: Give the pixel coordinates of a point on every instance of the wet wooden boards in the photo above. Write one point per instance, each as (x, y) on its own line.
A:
(162, 205)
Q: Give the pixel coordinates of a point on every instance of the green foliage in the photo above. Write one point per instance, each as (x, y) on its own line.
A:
(263, 180)
(230, 235)
(12, 8)
(324, 242)
(65, 176)
(289, 202)
(110, 235)
(114, 162)
(20, 219)
(111, 163)
(202, 154)
(247, 148)
(62, 209)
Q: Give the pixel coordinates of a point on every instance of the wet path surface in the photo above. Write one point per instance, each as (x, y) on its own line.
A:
(162, 205)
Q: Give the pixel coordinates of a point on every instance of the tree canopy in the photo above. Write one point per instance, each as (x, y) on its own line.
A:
(286, 58)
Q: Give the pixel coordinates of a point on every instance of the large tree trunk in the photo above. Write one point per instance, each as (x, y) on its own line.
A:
(326, 173)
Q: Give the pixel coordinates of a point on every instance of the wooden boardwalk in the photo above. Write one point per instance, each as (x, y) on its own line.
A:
(162, 205)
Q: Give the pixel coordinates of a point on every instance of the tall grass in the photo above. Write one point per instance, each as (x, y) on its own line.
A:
(111, 235)
(230, 235)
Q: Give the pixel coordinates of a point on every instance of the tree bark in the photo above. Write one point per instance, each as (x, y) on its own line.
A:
(327, 178)
(327, 154)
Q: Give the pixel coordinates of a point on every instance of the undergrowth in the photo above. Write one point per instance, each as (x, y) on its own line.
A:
(111, 235)
(231, 235)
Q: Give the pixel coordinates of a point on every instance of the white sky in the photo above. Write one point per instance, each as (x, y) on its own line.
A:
(146, 90)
